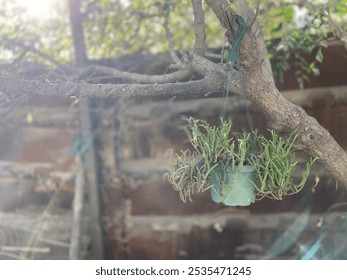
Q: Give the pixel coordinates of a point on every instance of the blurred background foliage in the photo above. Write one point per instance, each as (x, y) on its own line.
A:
(114, 28)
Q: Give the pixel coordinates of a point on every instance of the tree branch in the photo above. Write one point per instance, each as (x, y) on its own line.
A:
(97, 73)
(11, 89)
(282, 115)
(199, 27)
(76, 19)
(39, 53)
(223, 12)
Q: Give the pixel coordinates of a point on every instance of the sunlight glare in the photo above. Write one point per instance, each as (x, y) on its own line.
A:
(40, 9)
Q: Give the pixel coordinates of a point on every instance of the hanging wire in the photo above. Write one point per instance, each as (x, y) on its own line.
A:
(245, 97)
(233, 63)
(225, 94)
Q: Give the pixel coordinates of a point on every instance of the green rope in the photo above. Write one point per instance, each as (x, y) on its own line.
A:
(233, 59)
(234, 54)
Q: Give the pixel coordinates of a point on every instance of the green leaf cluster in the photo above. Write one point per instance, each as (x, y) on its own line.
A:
(287, 38)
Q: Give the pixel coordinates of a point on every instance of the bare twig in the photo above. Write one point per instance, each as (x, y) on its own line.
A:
(102, 72)
(255, 15)
(199, 27)
(38, 52)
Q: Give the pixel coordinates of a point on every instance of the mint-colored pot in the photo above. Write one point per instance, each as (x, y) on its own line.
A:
(233, 187)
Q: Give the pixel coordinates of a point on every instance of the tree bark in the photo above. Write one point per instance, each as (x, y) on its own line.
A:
(76, 20)
(283, 116)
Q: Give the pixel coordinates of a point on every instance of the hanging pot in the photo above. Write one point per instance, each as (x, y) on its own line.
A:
(233, 187)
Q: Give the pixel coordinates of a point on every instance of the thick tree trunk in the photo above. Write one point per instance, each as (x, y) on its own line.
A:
(283, 116)
(76, 20)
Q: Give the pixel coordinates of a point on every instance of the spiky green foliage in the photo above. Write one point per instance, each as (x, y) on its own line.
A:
(274, 163)
(211, 142)
(274, 166)
(214, 144)
(189, 172)
(188, 176)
